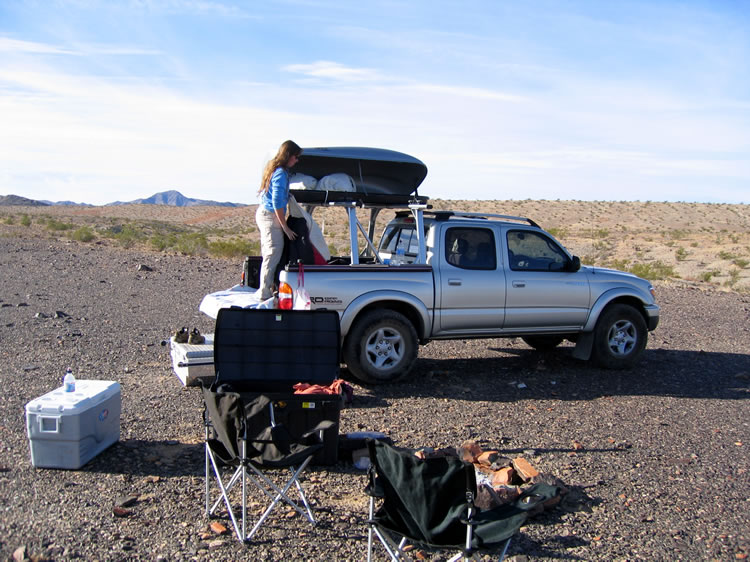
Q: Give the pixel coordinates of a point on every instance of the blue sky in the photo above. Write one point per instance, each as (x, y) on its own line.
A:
(106, 100)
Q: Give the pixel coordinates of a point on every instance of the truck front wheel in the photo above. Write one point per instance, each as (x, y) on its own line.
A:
(619, 337)
(381, 347)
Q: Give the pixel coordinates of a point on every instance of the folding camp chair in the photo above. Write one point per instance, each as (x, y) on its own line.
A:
(430, 502)
(242, 432)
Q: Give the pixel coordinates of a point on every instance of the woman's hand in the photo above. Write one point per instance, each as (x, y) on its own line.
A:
(289, 233)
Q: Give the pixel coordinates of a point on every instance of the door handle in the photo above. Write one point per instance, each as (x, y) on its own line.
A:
(519, 284)
(454, 282)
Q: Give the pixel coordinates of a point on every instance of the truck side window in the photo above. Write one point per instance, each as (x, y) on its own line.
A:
(532, 251)
(470, 248)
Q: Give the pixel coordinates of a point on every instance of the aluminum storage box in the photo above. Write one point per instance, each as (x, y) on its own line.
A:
(193, 363)
(68, 429)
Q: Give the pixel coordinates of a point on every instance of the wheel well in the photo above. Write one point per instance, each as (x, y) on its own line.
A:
(630, 301)
(400, 307)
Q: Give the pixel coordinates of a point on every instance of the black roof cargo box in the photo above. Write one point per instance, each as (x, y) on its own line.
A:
(380, 176)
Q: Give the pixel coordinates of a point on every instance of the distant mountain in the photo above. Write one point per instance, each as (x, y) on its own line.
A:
(66, 203)
(18, 200)
(174, 199)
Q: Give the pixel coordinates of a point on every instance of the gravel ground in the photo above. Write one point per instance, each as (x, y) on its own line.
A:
(656, 458)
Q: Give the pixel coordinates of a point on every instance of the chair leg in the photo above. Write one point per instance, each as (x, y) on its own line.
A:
(225, 493)
(281, 494)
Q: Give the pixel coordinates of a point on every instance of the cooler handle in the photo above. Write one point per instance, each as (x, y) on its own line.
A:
(49, 424)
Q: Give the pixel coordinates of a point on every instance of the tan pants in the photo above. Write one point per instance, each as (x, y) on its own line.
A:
(271, 248)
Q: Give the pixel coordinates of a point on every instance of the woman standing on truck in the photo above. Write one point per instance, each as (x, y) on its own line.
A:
(271, 214)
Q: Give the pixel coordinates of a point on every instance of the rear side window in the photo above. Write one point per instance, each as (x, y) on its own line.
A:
(470, 248)
(394, 234)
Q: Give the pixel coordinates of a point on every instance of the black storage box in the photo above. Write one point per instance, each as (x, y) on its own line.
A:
(257, 350)
(300, 413)
(268, 351)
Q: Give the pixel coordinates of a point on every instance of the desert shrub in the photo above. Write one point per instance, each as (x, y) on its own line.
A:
(235, 247)
(600, 233)
(724, 255)
(58, 226)
(734, 276)
(619, 264)
(25, 220)
(681, 254)
(126, 235)
(191, 243)
(653, 271)
(161, 241)
(741, 263)
(558, 233)
(82, 234)
(708, 275)
(9, 220)
(676, 234)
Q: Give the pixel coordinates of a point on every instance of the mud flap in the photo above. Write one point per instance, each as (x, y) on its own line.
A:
(584, 344)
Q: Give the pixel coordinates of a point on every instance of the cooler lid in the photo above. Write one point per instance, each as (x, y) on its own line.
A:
(88, 393)
(374, 170)
(195, 351)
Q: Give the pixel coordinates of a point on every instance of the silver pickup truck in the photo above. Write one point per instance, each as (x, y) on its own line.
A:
(462, 275)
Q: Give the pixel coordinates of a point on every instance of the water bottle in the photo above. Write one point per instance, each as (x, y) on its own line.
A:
(69, 381)
(400, 253)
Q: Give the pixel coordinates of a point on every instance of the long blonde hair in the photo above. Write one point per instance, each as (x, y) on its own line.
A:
(286, 151)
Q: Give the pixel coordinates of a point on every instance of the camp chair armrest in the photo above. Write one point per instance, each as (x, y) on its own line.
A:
(322, 426)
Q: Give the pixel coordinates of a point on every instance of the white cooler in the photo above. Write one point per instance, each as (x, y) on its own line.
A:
(68, 429)
(193, 362)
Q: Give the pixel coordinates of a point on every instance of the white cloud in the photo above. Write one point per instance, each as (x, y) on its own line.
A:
(332, 70)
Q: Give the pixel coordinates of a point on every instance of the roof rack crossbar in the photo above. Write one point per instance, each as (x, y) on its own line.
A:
(483, 216)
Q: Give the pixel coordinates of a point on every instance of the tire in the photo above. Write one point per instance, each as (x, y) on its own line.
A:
(543, 343)
(619, 337)
(381, 347)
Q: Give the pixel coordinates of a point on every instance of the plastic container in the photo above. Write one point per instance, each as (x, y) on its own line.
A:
(68, 429)
(69, 381)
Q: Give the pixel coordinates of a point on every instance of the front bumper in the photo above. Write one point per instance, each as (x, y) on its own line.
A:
(652, 316)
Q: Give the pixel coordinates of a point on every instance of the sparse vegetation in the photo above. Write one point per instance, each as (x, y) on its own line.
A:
(234, 248)
(701, 242)
(734, 277)
(655, 271)
(58, 226)
(83, 234)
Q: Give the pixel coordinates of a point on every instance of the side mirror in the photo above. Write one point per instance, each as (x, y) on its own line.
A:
(574, 264)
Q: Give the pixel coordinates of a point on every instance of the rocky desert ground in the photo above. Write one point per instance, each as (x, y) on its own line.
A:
(655, 458)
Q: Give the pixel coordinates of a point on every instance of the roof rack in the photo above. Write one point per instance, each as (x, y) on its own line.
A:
(445, 215)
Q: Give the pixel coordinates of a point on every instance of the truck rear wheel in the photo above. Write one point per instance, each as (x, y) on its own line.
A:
(619, 337)
(381, 347)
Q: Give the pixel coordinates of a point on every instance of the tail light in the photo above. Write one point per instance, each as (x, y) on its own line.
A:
(286, 296)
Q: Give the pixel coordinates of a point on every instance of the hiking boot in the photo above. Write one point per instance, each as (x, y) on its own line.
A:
(196, 338)
(181, 335)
